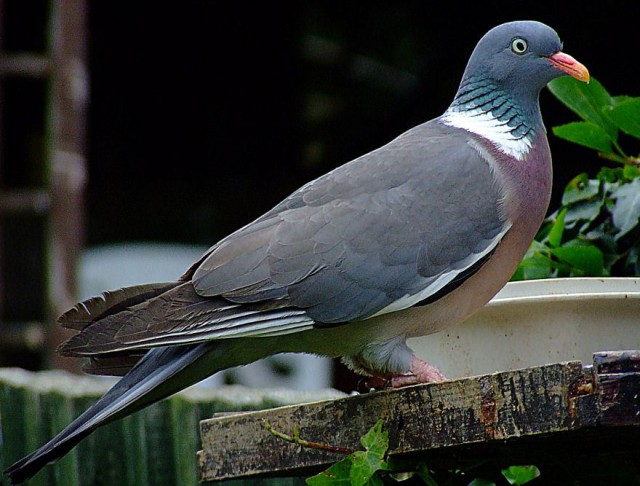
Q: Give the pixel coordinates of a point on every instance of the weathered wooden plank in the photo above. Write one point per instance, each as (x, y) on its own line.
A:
(606, 362)
(617, 383)
(484, 409)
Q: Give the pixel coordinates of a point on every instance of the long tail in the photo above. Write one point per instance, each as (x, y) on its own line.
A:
(160, 373)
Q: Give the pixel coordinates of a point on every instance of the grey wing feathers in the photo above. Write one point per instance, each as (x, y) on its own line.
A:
(179, 316)
(381, 233)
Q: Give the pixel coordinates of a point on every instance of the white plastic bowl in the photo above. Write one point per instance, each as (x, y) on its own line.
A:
(537, 322)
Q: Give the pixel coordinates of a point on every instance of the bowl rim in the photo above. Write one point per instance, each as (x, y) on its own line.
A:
(564, 289)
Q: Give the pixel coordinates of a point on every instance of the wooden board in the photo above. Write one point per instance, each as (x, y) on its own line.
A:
(562, 402)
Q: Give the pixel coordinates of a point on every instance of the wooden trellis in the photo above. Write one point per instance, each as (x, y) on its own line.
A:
(58, 201)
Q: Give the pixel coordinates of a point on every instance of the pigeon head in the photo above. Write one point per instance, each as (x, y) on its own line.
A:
(522, 57)
(498, 95)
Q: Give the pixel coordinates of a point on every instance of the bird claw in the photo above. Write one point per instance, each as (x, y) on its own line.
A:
(403, 380)
(424, 372)
(420, 372)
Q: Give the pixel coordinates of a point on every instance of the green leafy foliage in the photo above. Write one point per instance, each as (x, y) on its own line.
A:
(626, 116)
(588, 101)
(337, 474)
(585, 133)
(364, 464)
(371, 467)
(596, 230)
(481, 482)
(626, 211)
(359, 468)
(518, 475)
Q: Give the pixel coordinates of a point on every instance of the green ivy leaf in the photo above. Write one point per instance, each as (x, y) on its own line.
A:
(584, 258)
(376, 441)
(366, 463)
(374, 481)
(586, 100)
(520, 474)
(626, 211)
(359, 468)
(587, 134)
(626, 116)
(337, 474)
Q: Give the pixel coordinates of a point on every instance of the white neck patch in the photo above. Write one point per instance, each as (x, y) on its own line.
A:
(487, 126)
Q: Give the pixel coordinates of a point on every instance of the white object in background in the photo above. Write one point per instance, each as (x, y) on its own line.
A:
(125, 264)
(537, 322)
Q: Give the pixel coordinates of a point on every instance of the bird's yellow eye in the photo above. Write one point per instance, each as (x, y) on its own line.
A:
(519, 45)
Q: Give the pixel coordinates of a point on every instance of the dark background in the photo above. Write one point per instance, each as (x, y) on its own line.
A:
(205, 114)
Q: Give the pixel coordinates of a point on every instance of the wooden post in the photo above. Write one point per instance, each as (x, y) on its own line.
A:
(2, 282)
(66, 151)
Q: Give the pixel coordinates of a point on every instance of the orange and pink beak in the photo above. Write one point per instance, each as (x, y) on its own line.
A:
(567, 64)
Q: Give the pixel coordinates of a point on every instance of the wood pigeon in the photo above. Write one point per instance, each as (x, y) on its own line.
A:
(403, 241)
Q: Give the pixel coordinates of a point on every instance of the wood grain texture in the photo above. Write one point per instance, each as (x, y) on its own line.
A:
(481, 410)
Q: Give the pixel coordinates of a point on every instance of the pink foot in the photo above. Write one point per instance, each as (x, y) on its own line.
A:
(420, 372)
(426, 373)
